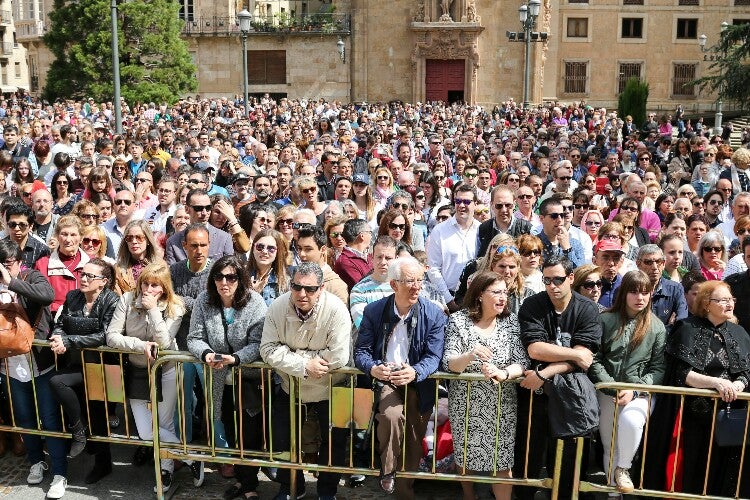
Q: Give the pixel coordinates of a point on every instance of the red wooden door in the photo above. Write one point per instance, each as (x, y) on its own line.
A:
(443, 76)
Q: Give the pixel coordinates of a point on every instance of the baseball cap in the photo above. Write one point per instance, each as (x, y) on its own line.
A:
(239, 177)
(361, 178)
(608, 246)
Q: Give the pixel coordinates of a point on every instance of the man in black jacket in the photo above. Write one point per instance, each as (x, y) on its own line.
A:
(503, 206)
(740, 285)
(561, 331)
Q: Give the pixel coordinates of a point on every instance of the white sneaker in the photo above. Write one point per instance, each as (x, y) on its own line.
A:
(623, 481)
(57, 488)
(36, 473)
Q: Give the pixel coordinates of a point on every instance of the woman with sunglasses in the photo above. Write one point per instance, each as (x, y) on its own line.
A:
(382, 186)
(62, 193)
(591, 222)
(267, 265)
(225, 331)
(631, 352)
(395, 224)
(121, 174)
(680, 169)
(712, 255)
(255, 218)
(137, 250)
(480, 264)
(284, 222)
(147, 319)
(709, 160)
(530, 248)
(587, 280)
(632, 207)
(308, 189)
(83, 323)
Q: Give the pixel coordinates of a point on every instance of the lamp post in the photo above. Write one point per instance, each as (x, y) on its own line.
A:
(341, 47)
(244, 17)
(719, 116)
(116, 66)
(528, 14)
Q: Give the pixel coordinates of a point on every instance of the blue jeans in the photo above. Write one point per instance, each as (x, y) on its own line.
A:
(190, 371)
(49, 415)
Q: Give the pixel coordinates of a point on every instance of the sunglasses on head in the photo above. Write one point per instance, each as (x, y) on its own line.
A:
(307, 288)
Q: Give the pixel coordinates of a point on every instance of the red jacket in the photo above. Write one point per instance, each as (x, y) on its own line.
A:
(351, 267)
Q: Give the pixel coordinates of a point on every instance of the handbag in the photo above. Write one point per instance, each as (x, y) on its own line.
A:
(573, 409)
(729, 429)
(16, 332)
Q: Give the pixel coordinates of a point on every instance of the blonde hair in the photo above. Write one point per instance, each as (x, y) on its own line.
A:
(99, 232)
(159, 273)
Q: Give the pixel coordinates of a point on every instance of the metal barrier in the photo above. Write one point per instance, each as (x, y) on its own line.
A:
(583, 486)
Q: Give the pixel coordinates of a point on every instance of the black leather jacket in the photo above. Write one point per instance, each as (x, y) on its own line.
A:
(79, 331)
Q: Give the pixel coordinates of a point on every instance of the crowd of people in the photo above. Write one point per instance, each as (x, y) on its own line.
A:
(400, 239)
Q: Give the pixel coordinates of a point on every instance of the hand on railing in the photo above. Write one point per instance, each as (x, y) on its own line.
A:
(624, 397)
(316, 367)
(403, 375)
(726, 389)
(150, 348)
(56, 344)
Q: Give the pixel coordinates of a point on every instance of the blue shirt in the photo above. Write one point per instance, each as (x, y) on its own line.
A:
(669, 299)
(574, 254)
(609, 290)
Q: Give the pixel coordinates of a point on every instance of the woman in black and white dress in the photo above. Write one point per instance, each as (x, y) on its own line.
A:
(484, 338)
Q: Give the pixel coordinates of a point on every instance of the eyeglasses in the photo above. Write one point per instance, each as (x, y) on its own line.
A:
(88, 216)
(442, 218)
(713, 249)
(525, 196)
(18, 225)
(726, 190)
(565, 178)
(604, 172)
(497, 293)
(579, 206)
(195, 181)
(530, 253)
(574, 156)
(742, 231)
(557, 280)
(610, 236)
(567, 208)
(645, 158)
(412, 283)
(589, 284)
(61, 183)
(123, 201)
(284, 221)
(555, 215)
(307, 288)
(399, 227)
(92, 241)
(714, 202)
(309, 190)
(26, 194)
(506, 206)
(336, 234)
(514, 179)
(420, 197)
(142, 179)
(400, 206)
(194, 158)
(382, 177)
(629, 209)
(481, 211)
(470, 176)
(260, 247)
(725, 301)
(135, 238)
(229, 277)
(709, 154)
(698, 203)
(628, 228)
(90, 276)
(201, 208)
(593, 223)
(461, 201)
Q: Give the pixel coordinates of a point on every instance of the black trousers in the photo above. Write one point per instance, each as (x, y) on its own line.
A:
(327, 482)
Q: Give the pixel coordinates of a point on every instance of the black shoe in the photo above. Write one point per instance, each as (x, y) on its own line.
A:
(166, 481)
(99, 471)
(198, 473)
(232, 492)
(271, 473)
(142, 456)
(356, 480)
(78, 443)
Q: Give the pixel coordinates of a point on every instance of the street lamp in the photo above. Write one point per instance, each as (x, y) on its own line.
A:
(244, 17)
(341, 47)
(719, 116)
(116, 66)
(528, 14)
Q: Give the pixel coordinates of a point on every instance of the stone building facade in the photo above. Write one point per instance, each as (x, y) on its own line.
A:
(421, 50)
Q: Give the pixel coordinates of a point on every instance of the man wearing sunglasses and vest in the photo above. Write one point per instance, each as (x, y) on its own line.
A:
(307, 334)
(561, 332)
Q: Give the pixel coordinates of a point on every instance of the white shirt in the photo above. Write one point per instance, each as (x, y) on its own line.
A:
(449, 248)
(157, 219)
(397, 351)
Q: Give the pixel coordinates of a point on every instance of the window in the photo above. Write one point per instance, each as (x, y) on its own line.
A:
(684, 75)
(738, 22)
(266, 66)
(576, 77)
(187, 10)
(689, 2)
(632, 2)
(18, 69)
(578, 27)
(632, 27)
(687, 29)
(3, 73)
(741, 3)
(578, 1)
(627, 71)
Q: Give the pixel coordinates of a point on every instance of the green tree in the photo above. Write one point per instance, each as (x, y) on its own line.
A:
(633, 100)
(155, 64)
(730, 73)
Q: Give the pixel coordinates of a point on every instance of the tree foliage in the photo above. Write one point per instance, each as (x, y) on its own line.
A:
(730, 73)
(633, 100)
(155, 64)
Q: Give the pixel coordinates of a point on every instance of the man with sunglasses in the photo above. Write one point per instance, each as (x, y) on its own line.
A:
(199, 207)
(502, 206)
(18, 222)
(561, 332)
(562, 180)
(307, 334)
(667, 298)
(330, 162)
(124, 207)
(555, 235)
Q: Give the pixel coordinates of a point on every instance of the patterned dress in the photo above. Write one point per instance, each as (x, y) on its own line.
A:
(483, 429)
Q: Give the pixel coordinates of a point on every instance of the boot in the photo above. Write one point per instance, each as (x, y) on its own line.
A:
(17, 446)
(78, 444)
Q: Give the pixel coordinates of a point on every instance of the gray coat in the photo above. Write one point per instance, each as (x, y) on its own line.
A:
(242, 337)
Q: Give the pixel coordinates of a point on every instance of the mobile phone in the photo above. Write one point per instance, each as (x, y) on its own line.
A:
(218, 357)
(154, 350)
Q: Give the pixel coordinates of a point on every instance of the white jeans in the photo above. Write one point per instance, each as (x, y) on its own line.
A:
(631, 420)
(142, 415)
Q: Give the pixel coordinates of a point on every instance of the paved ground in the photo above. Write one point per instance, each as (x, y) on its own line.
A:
(129, 482)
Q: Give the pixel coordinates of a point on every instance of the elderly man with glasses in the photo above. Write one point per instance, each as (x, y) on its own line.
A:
(667, 298)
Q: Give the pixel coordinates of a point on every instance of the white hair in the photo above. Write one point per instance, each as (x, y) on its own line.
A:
(396, 266)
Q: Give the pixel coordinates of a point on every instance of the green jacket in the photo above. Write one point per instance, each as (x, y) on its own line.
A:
(617, 362)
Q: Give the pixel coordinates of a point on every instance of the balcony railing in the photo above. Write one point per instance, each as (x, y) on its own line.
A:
(5, 17)
(27, 30)
(334, 23)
